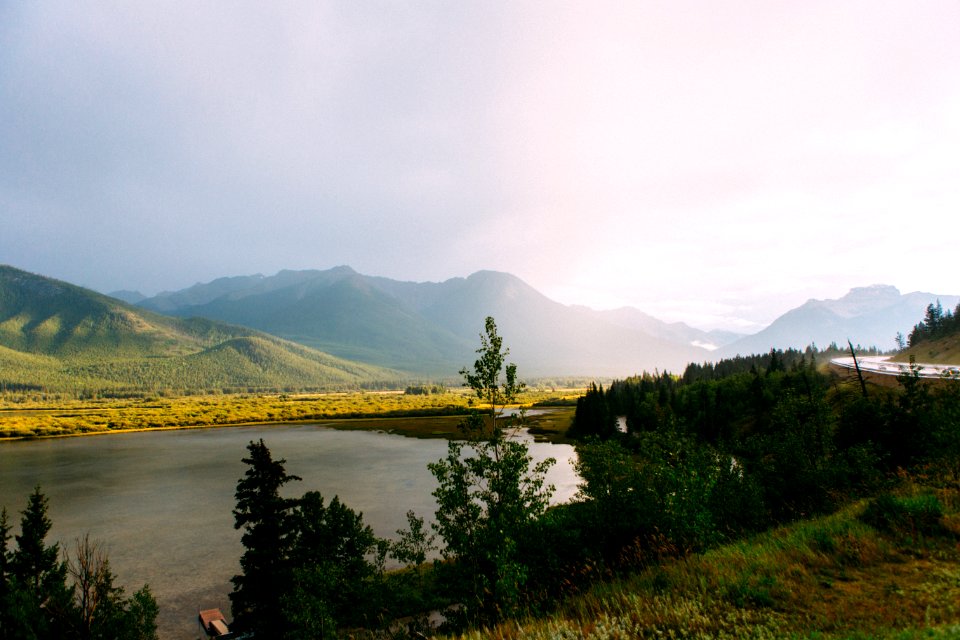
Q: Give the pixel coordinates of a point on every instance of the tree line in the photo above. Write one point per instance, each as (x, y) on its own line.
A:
(787, 438)
(936, 324)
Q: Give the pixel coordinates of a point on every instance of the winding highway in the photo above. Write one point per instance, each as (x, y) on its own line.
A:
(883, 365)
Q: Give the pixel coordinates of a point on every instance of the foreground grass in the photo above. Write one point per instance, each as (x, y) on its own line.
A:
(415, 415)
(829, 578)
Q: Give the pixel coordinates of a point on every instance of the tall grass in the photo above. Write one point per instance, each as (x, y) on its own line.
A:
(828, 578)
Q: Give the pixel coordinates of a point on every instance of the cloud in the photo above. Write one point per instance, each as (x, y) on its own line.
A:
(657, 154)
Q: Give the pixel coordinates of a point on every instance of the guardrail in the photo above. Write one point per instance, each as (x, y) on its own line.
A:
(884, 366)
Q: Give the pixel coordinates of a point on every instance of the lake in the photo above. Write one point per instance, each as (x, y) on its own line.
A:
(162, 501)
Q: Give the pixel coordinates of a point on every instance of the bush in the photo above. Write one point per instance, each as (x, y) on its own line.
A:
(905, 516)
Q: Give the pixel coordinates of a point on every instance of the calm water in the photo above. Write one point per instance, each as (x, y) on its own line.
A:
(162, 501)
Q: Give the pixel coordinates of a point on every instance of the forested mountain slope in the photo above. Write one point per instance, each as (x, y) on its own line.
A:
(429, 328)
(61, 337)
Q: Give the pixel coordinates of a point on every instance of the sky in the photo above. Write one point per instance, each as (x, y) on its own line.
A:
(712, 162)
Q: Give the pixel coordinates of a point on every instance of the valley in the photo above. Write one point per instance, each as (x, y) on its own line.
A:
(355, 392)
(339, 330)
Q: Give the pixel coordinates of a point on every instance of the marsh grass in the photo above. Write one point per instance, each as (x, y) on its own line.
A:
(435, 415)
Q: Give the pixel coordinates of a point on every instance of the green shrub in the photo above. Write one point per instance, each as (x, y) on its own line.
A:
(905, 516)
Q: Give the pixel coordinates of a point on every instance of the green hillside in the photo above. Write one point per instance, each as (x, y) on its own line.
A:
(48, 317)
(58, 337)
(829, 578)
(941, 351)
(936, 338)
(339, 313)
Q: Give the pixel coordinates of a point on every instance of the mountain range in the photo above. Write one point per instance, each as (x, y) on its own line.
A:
(337, 328)
(868, 316)
(432, 328)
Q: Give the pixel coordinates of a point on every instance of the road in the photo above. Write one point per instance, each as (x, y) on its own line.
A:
(882, 365)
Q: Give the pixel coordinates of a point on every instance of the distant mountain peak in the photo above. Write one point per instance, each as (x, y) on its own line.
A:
(503, 286)
(862, 300)
(344, 269)
(870, 316)
(485, 275)
(874, 291)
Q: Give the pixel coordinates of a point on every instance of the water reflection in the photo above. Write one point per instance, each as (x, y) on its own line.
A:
(162, 501)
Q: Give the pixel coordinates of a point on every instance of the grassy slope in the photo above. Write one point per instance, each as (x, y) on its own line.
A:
(48, 317)
(60, 337)
(254, 362)
(943, 351)
(345, 316)
(832, 577)
(24, 370)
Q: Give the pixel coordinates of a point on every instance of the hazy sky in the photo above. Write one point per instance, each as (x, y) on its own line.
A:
(715, 162)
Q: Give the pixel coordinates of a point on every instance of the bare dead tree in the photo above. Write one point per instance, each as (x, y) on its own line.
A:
(90, 571)
(856, 364)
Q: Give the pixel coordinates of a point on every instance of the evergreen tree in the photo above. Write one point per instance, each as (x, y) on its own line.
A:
(776, 361)
(936, 323)
(933, 318)
(593, 416)
(39, 599)
(5, 576)
(35, 564)
(268, 534)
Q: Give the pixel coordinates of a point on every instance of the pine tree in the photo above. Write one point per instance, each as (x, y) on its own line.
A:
(39, 595)
(593, 416)
(5, 576)
(268, 533)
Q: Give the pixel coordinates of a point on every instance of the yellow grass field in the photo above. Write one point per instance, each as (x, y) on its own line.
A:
(435, 415)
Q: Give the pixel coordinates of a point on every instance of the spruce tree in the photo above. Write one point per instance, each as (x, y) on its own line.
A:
(4, 574)
(40, 599)
(268, 534)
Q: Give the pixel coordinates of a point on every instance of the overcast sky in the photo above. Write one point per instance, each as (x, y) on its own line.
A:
(713, 162)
